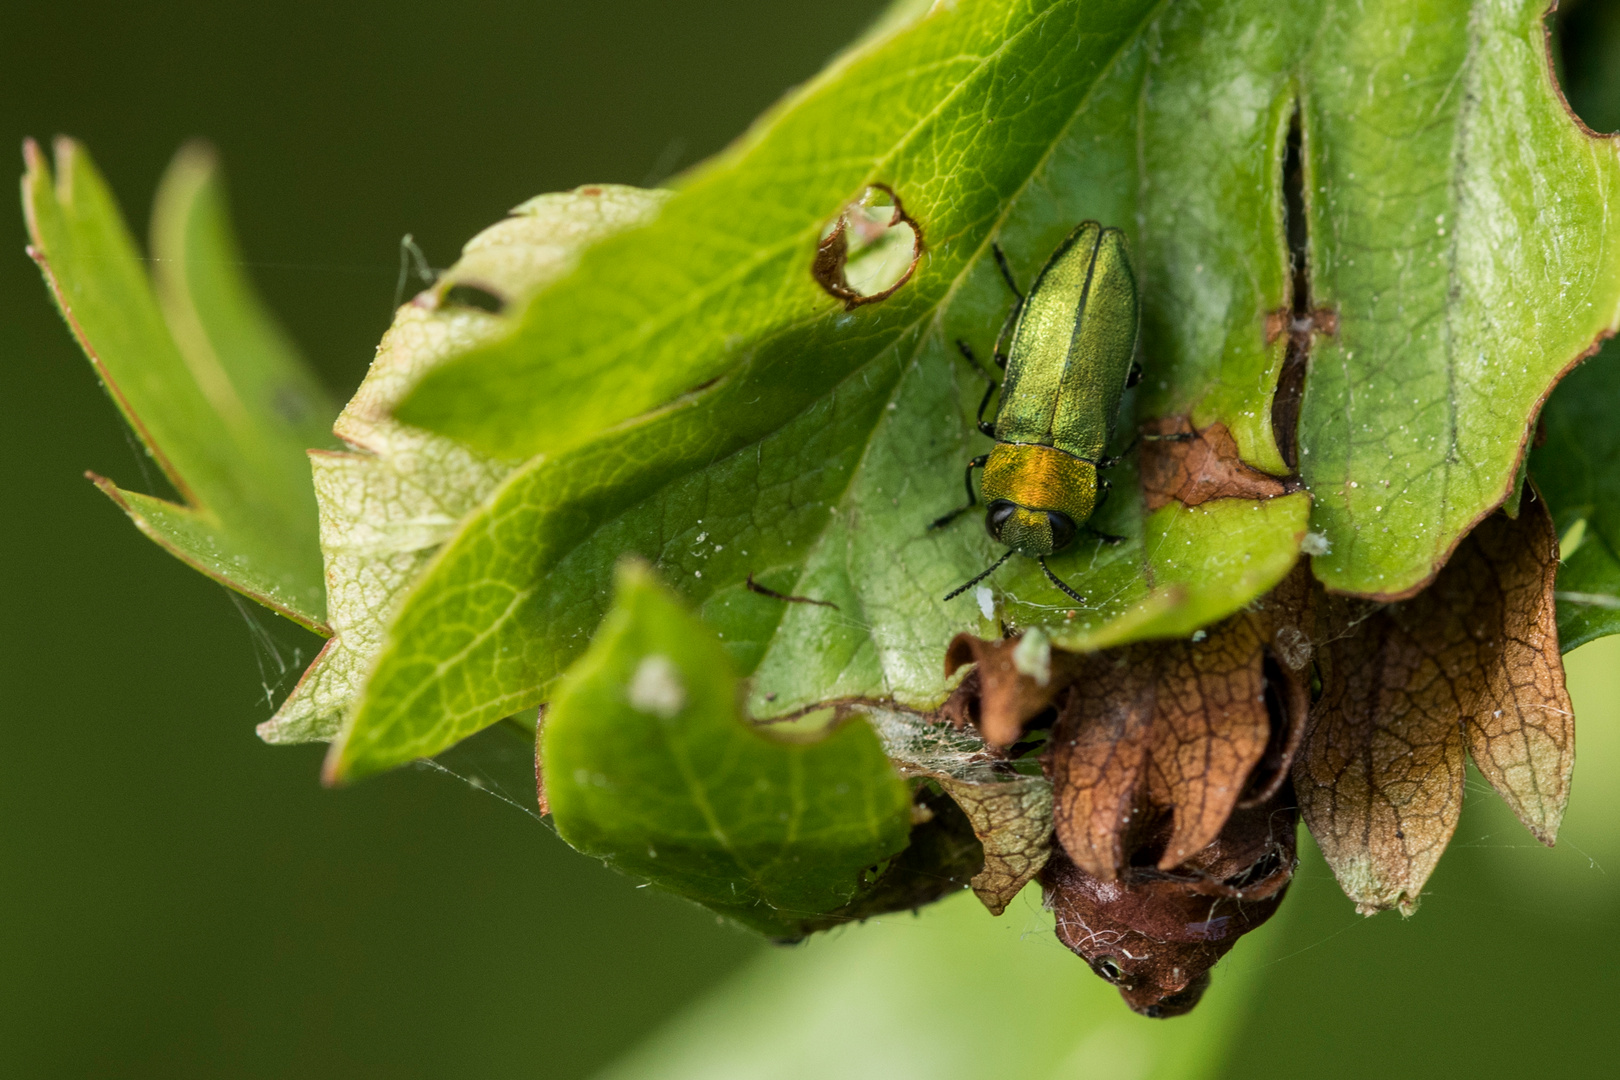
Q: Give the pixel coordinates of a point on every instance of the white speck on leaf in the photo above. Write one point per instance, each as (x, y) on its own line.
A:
(656, 688)
(985, 598)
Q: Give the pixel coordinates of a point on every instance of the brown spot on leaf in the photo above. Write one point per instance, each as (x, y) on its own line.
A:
(1199, 466)
(1472, 662)
(1156, 935)
(869, 250)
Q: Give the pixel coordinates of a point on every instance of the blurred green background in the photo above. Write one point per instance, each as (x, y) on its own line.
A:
(178, 900)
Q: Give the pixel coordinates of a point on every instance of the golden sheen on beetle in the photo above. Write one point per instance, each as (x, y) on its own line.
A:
(1071, 358)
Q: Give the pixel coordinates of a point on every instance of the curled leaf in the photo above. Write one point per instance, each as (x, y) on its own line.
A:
(1010, 813)
(1003, 698)
(1469, 664)
(651, 766)
(389, 501)
(1098, 754)
(1013, 821)
(1185, 730)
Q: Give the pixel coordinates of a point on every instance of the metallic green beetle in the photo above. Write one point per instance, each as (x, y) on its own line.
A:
(1073, 340)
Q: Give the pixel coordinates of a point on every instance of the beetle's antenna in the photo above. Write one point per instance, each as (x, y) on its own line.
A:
(1055, 580)
(954, 593)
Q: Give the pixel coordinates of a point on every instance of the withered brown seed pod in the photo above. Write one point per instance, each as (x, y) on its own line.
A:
(1156, 934)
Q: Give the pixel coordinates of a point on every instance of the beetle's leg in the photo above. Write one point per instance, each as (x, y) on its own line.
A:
(973, 499)
(1135, 375)
(960, 589)
(1109, 462)
(985, 427)
(1174, 436)
(1104, 489)
(1006, 271)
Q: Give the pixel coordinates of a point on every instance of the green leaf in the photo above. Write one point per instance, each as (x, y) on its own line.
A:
(816, 466)
(829, 436)
(1436, 152)
(200, 370)
(1577, 470)
(650, 766)
(397, 493)
(950, 995)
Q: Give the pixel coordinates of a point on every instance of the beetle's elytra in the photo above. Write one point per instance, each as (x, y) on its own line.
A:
(1073, 338)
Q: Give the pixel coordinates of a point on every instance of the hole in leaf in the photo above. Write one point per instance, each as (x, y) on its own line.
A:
(869, 250)
(1291, 380)
(1585, 36)
(474, 296)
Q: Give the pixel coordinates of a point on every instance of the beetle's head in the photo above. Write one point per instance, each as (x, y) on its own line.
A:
(1029, 532)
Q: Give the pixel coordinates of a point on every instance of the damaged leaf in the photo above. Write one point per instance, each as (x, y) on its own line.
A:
(814, 464)
(650, 766)
(1442, 332)
(210, 384)
(1470, 664)
(870, 250)
(393, 497)
(1010, 812)
(701, 401)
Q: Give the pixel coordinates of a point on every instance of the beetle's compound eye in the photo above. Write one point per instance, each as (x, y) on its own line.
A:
(1108, 969)
(1000, 511)
(1062, 529)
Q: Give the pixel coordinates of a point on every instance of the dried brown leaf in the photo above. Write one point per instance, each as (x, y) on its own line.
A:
(1010, 813)
(1196, 469)
(1473, 659)
(1380, 777)
(1521, 732)
(1191, 729)
(1096, 755)
(1013, 821)
(1007, 697)
(1210, 729)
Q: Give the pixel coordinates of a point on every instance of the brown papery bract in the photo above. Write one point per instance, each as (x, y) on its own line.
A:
(1001, 699)
(1470, 663)
(1013, 821)
(1187, 730)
